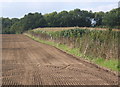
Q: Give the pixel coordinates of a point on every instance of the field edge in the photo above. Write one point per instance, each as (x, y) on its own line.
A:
(116, 73)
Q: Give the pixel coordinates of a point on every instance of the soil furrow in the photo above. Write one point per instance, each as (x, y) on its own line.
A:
(27, 62)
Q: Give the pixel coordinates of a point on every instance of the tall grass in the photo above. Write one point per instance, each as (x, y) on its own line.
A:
(112, 64)
(95, 43)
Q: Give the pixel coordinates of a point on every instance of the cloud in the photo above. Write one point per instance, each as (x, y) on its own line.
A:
(59, 1)
(19, 9)
(104, 8)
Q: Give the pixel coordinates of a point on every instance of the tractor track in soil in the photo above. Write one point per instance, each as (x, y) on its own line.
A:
(27, 62)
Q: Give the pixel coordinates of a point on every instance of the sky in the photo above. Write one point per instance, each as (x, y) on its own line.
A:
(18, 8)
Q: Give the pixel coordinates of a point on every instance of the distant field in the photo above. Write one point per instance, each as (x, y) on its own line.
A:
(67, 28)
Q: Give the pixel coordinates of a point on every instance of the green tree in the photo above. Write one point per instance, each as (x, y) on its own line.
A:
(51, 19)
(99, 17)
(6, 24)
(30, 21)
(111, 19)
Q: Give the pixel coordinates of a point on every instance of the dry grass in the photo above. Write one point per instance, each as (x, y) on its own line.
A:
(67, 28)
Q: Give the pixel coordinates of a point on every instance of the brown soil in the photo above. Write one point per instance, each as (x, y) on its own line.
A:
(27, 62)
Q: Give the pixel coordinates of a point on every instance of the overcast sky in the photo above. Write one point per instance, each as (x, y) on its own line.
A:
(18, 8)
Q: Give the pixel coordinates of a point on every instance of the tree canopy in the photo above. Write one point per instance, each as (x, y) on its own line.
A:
(76, 17)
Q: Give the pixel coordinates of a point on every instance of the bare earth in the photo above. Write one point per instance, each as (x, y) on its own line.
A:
(27, 62)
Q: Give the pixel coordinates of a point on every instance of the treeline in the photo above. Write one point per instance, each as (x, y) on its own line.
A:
(76, 17)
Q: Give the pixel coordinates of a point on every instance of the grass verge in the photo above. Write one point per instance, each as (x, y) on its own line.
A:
(111, 64)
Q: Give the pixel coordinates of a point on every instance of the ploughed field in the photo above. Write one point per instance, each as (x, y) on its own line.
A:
(27, 62)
